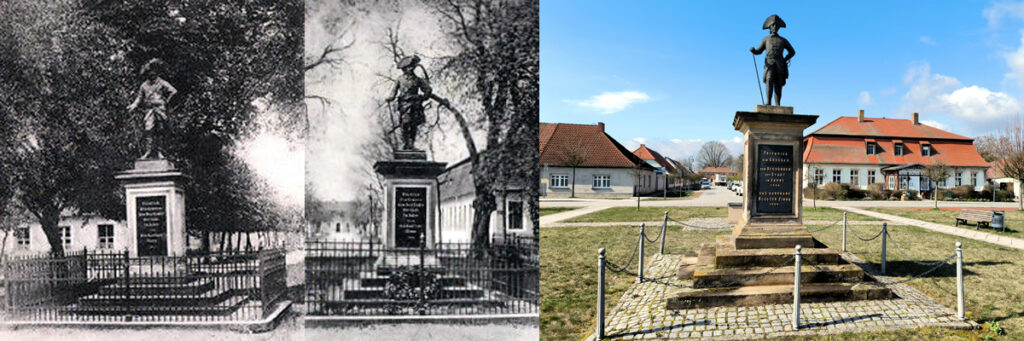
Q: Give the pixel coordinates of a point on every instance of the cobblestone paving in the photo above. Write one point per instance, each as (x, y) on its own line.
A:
(641, 313)
(702, 222)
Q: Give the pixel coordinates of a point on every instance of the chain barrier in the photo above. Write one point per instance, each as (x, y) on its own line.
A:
(854, 232)
(698, 227)
(612, 267)
(878, 284)
(824, 227)
(652, 240)
(661, 280)
(908, 257)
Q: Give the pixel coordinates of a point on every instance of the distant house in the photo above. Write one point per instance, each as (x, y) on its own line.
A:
(711, 172)
(1000, 181)
(662, 166)
(77, 232)
(862, 151)
(603, 167)
(511, 217)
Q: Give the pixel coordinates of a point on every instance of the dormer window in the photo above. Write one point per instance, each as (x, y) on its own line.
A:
(872, 148)
(926, 150)
(898, 149)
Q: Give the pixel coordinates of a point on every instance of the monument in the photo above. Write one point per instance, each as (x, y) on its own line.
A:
(154, 188)
(732, 271)
(410, 180)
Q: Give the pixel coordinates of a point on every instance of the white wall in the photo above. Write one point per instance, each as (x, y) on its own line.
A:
(84, 235)
(457, 218)
(978, 173)
(622, 181)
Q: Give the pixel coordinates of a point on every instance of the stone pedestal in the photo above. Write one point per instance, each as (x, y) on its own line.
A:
(769, 228)
(410, 197)
(155, 206)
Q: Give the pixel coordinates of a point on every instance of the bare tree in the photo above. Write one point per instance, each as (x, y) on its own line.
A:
(714, 154)
(574, 155)
(988, 146)
(737, 165)
(1011, 149)
(935, 173)
(813, 184)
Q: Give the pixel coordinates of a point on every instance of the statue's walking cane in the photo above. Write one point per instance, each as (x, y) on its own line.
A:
(756, 72)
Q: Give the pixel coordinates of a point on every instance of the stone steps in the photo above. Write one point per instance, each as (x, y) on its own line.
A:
(446, 292)
(716, 277)
(212, 297)
(195, 287)
(776, 294)
(225, 307)
(726, 255)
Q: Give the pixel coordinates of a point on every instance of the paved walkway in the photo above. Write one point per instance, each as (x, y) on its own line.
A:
(950, 230)
(641, 313)
(672, 223)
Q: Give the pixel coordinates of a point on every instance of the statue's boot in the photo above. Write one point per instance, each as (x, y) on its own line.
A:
(149, 147)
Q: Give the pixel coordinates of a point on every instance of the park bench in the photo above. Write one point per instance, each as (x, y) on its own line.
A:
(982, 217)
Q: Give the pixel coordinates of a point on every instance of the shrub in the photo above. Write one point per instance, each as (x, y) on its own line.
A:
(912, 195)
(964, 192)
(809, 191)
(852, 192)
(833, 190)
(877, 191)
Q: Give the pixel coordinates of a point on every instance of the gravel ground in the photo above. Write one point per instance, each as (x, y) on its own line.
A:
(289, 330)
(425, 332)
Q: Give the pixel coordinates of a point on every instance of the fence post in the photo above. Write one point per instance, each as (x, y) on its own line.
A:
(960, 282)
(885, 235)
(844, 231)
(640, 264)
(127, 287)
(600, 293)
(664, 226)
(796, 289)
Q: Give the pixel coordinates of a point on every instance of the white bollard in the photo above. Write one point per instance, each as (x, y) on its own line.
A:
(664, 226)
(640, 264)
(844, 231)
(885, 235)
(796, 289)
(960, 282)
(600, 293)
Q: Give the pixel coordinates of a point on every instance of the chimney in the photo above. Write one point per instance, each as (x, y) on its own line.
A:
(860, 115)
(915, 119)
(601, 126)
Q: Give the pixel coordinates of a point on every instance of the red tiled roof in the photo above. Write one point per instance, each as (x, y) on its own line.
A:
(597, 147)
(884, 127)
(717, 170)
(852, 149)
(649, 154)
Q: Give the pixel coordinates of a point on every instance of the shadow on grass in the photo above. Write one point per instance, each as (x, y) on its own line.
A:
(902, 268)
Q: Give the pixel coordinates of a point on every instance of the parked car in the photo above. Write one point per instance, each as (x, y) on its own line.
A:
(705, 185)
(739, 191)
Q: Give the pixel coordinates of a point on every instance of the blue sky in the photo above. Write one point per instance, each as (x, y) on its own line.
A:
(672, 74)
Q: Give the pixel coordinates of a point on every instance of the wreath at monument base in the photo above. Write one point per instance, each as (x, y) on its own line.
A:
(411, 285)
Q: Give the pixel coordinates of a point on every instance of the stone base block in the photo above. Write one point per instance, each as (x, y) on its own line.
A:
(772, 237)
(776, 294)
(771, 109)
(727, 256)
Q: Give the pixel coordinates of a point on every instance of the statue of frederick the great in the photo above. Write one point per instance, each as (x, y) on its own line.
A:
(776, 66)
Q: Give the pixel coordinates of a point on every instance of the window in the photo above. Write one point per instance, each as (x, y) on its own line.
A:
(926, 150)
(560, 180)
(22, 237)
(106, 236)
(892, 182)
(855, 176)
(515, 215)
(871, 177)
(65, 236)
(819, 176)
(837, 175)
(602, 181)
(899, 149)
(872, 148)
(337, 227)
(971, 179)
(959, 180)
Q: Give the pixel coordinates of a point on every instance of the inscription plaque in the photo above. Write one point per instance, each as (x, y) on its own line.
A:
(151, 225)
(410, 215)
(774, 179)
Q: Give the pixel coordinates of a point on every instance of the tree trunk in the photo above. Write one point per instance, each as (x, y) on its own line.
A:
(573, 194)
(205, 244)
(483, 205)
(49, 221)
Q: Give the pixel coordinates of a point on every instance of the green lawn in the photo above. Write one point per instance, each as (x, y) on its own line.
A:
(1014, 219)
(832, 214)
(616, 214)
(552, 210)
(569, 258)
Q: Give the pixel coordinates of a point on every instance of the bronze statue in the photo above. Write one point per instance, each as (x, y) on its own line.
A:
(153, 96)
(410, 91)
(776, 67)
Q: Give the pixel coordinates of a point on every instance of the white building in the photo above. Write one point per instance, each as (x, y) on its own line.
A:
(511, 217)
(603, 167)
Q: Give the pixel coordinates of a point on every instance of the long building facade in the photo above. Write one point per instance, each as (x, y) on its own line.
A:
(861, 151)
(583, 161)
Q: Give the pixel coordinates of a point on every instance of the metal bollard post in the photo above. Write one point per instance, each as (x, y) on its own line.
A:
(796, 289)
(844, 231)
(664, 226)
(600, 294)
(640, 264)
(960, 282)
(885, 235)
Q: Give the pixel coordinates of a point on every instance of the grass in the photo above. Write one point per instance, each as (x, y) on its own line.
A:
(552, 210)
(688, 195)
(832, 214)
(617, 214)
(991, 284)
(568, 270)
(1014, 220)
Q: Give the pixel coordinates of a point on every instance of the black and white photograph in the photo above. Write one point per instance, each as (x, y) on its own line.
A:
(151, 155)
(421, 169)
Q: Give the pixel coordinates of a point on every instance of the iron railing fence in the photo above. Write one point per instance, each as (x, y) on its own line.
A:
(363, 278)
(98, 286)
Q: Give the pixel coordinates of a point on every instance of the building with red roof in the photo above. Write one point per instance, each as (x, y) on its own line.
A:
(582, 160)
(711, 172)
(863, 150)
(662, 165)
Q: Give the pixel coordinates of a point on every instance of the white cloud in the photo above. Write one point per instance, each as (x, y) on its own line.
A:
(639, 140)
(978, 108)
(977, 103)
(928, 41)
(999, 10)
(613, 102)
(1015, 60)
(864, 98)
(936, 124)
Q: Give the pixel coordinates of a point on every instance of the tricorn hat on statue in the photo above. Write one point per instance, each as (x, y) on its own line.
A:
(408, 61)
(155, 65)
(773, 19)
